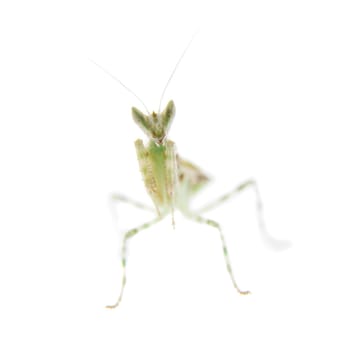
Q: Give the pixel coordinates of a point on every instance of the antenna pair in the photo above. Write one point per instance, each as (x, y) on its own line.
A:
(166, 85)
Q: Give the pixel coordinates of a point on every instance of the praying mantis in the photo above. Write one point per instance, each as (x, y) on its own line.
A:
(171, 182)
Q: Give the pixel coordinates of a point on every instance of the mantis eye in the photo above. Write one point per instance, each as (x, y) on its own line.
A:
(140, 119)
(168, 115)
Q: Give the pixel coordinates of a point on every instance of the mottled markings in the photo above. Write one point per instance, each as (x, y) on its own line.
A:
(172, 181)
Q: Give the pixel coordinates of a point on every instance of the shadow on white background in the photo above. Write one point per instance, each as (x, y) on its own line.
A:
(263, 91)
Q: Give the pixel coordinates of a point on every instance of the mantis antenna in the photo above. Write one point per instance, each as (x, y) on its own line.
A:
(121, 83)
(174, 70)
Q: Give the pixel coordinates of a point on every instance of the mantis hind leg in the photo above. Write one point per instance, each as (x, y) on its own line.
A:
(127, 236)
(217, 226)
(276, 244)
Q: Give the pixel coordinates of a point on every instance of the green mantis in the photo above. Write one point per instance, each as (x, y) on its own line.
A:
(172, 181)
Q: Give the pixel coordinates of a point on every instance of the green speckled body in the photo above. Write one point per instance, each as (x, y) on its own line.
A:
(157, 163)
(170, 181)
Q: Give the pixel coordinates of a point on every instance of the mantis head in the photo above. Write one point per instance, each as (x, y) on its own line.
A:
(155, 125)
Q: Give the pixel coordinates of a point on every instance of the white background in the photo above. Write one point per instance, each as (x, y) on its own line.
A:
(263, 91)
